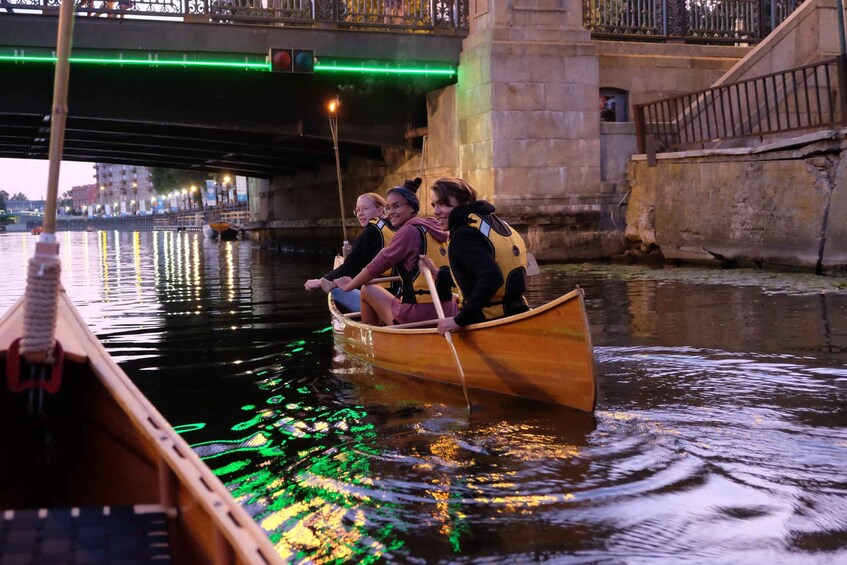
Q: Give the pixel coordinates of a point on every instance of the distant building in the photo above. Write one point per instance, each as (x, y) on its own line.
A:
(84, 196)
(123, 189)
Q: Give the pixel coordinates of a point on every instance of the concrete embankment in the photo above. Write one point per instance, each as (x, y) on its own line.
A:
(782, 205)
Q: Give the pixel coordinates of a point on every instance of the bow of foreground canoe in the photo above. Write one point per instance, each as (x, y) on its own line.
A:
(98, 455)
(544, 354)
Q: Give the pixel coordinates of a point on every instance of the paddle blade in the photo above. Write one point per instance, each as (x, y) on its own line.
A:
(531, 265)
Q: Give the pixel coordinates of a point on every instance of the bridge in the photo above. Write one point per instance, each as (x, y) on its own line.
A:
(179, 92)
(504, 91)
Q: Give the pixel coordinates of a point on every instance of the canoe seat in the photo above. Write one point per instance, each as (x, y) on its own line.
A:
(125, 534)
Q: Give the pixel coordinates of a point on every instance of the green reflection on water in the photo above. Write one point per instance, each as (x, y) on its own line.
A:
(304, 470)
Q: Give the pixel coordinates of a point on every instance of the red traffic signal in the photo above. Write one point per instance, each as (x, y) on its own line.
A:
(292, 60)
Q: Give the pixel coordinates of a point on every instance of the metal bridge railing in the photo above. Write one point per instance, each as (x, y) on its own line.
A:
(705, 21)
(413, 15)
(812, 97)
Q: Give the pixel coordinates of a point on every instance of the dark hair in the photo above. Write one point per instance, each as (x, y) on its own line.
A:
(445, 187)
(407, 191)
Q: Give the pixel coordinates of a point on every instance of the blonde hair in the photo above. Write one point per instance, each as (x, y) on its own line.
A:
(378, 200)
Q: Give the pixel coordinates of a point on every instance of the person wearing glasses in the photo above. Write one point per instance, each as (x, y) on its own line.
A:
(415, 237)
(487, 257)
(377, 232)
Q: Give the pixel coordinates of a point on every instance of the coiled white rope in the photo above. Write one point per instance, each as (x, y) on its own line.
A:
(41, 303)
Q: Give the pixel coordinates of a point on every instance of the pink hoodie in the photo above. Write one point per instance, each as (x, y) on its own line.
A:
(405, 246)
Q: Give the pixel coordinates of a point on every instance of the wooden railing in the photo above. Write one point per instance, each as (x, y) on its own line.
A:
(812, 97)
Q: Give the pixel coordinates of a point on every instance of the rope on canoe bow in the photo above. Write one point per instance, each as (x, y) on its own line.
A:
(42, 292)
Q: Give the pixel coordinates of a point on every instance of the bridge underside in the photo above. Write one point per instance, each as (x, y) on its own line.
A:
(247, 122)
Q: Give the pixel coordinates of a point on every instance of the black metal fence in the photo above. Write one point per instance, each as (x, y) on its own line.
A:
(811, 97)
(416, 15)
(706, 21)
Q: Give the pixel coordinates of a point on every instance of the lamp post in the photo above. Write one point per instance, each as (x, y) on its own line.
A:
(227, 180)
(333, 128)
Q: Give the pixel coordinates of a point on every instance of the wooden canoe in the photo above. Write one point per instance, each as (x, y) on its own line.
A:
(110, 450)
(544, 354)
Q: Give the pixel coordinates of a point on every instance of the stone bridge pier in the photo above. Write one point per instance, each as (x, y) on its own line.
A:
(522, 125)
(528, 125)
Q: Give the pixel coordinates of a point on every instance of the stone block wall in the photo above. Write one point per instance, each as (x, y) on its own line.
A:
(782, 205)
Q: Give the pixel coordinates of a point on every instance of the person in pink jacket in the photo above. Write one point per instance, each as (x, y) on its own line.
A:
(415, 237)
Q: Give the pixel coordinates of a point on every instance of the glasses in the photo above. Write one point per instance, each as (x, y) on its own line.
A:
(363, 209)
(394, 207)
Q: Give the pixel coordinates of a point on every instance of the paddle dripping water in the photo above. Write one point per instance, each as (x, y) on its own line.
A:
(720, 434)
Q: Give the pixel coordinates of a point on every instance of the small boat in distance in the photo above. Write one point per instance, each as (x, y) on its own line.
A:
(222, 230)
(544, 354)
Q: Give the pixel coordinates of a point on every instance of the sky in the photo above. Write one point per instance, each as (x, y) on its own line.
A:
(30, 176)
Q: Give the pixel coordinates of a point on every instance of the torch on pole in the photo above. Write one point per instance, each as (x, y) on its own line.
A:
(333, 128)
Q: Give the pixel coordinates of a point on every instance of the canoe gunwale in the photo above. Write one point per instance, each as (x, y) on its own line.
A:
(576, 387)
(578, 292)
(247, 542)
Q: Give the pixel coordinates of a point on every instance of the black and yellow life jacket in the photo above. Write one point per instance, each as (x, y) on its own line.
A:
(509, 254)
(415, 289)
(387, 232)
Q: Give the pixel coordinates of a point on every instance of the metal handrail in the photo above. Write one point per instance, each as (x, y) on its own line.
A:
(701, 21)
(811, 97)
(412, 15)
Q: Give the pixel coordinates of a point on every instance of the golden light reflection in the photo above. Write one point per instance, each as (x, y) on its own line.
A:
(230, 271)
(319, 531)
(103, 245)
(136, 256)
(118, 262)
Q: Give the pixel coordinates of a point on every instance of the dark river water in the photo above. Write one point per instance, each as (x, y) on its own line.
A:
(720, 434)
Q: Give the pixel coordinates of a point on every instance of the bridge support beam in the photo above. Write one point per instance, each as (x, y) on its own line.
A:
(528, 123)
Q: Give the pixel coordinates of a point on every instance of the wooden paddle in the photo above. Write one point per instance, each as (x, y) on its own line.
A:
(435, 300)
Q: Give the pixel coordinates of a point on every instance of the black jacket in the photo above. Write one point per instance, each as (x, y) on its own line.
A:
(365, 248)
(474, 268)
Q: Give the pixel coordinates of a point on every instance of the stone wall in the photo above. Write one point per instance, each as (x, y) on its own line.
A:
(780, 205)
(652, 71)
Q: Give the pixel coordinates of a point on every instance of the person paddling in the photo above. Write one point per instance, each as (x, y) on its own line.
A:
(377, 232)
(487, 257)
(415, 236)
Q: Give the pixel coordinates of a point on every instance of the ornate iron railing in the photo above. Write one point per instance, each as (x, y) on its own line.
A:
(707, 21)
(415, 15)
(812, 97)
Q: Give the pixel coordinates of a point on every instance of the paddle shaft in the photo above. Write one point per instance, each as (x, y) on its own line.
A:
(437, 301)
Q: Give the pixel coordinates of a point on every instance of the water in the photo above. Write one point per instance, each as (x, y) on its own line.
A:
(720, 434)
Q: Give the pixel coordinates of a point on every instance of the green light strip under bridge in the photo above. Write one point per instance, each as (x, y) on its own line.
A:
(332, 66)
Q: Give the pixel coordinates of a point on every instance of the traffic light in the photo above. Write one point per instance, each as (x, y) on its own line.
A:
(292, 60)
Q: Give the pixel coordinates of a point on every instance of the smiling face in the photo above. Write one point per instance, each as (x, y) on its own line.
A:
(442, 209)
(398, 210)
(366, 210)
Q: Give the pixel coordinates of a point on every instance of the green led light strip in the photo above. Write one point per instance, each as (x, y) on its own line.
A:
(258, 66)
(245, 65)
(382, 70)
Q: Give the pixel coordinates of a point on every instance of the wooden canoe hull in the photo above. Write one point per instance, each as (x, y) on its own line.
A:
(544, 354)
(111, 447)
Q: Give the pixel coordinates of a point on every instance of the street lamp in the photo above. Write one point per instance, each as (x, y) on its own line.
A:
(333, 106)
(227, 180)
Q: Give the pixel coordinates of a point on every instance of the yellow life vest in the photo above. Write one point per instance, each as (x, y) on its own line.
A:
(415, 288)
(509, 254)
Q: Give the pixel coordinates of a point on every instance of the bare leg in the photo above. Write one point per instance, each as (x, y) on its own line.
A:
(376, 305)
